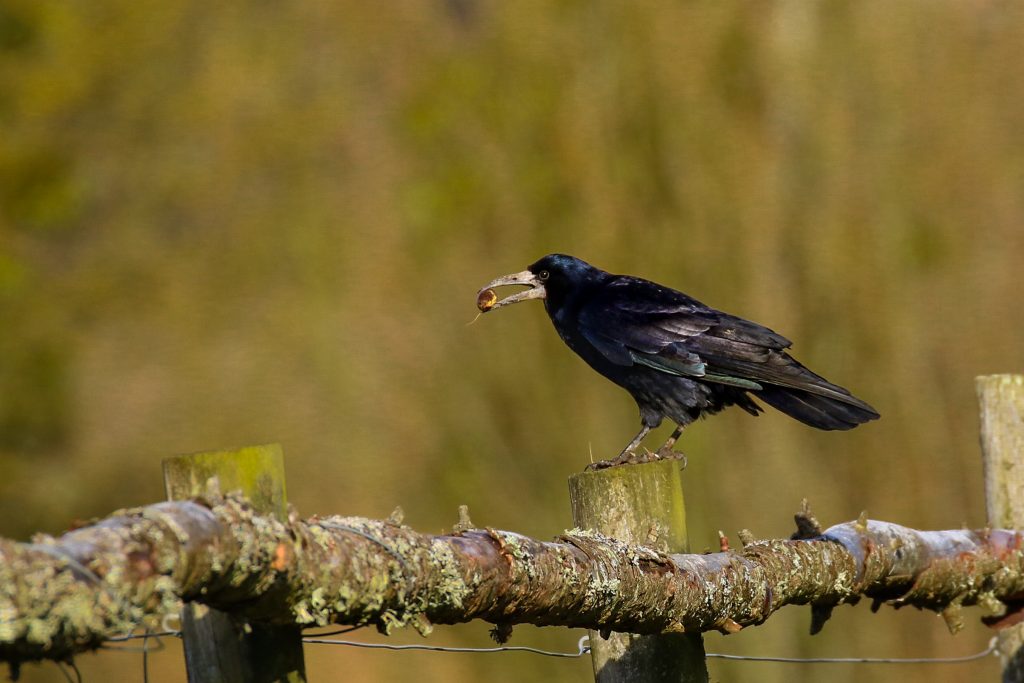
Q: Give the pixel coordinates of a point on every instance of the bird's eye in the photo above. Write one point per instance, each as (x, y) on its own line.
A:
(544, 275)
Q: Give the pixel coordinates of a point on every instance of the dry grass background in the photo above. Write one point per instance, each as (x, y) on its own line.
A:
(231, 223)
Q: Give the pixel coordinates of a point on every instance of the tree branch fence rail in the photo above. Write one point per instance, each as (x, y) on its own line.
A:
(267, 573)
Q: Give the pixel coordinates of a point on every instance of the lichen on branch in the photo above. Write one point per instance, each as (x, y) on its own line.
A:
(62, 595)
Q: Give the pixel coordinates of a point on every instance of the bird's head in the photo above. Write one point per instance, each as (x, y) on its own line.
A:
(552, 277)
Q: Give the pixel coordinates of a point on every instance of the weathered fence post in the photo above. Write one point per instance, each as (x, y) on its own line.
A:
(218, 649)
(640, 504)
(1001, 398)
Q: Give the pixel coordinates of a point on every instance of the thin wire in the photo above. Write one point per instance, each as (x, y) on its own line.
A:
(67, 676)
(177, 634)
(136, 636)
(145, 658)
(74, 667)
(583, 649)
(145, 648)
(991, 649)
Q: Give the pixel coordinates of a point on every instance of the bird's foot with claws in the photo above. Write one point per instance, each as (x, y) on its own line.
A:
(668, 453)
(634, 458)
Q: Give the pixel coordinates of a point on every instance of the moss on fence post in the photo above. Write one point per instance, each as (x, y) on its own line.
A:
(1001, 400)
(218, 648)
(640, 504)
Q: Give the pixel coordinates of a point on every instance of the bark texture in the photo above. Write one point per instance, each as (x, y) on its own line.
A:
(62, 595)
(1001, 402)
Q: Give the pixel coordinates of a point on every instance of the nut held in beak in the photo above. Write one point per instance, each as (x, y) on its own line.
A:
(486, 299)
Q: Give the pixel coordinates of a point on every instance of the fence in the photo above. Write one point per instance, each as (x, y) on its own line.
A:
(250, 573)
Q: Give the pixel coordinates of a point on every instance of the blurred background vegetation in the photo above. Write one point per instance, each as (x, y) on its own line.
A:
(239, 222)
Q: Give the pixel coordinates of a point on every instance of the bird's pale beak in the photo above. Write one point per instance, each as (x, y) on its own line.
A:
(487, 300)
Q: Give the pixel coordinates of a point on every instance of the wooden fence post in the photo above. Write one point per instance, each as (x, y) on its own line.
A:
(219, 649)
(640, 504)
(1001, 398)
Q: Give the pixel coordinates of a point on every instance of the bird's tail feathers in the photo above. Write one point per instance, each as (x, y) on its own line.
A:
(822, 412)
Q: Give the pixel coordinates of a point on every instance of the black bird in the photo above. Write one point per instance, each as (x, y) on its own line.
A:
(678, 358)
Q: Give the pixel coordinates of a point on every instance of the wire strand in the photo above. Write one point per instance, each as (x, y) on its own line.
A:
(74, 667)
(583, 648)
(991, 649)
(135, 636)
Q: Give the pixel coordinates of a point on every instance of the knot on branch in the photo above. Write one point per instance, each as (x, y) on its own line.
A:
(464, 523)
(807, 525)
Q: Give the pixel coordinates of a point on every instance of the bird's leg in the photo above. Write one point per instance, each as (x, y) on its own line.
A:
(631, 446)
(626, 455)
(672, 439)
(666, 452)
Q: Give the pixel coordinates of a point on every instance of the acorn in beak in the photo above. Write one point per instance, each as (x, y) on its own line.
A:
(487, 300)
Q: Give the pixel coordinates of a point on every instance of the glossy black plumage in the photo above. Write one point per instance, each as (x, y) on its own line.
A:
(677, 357)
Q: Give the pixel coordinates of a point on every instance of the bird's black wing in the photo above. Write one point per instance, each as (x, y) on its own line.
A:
(633, 321)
